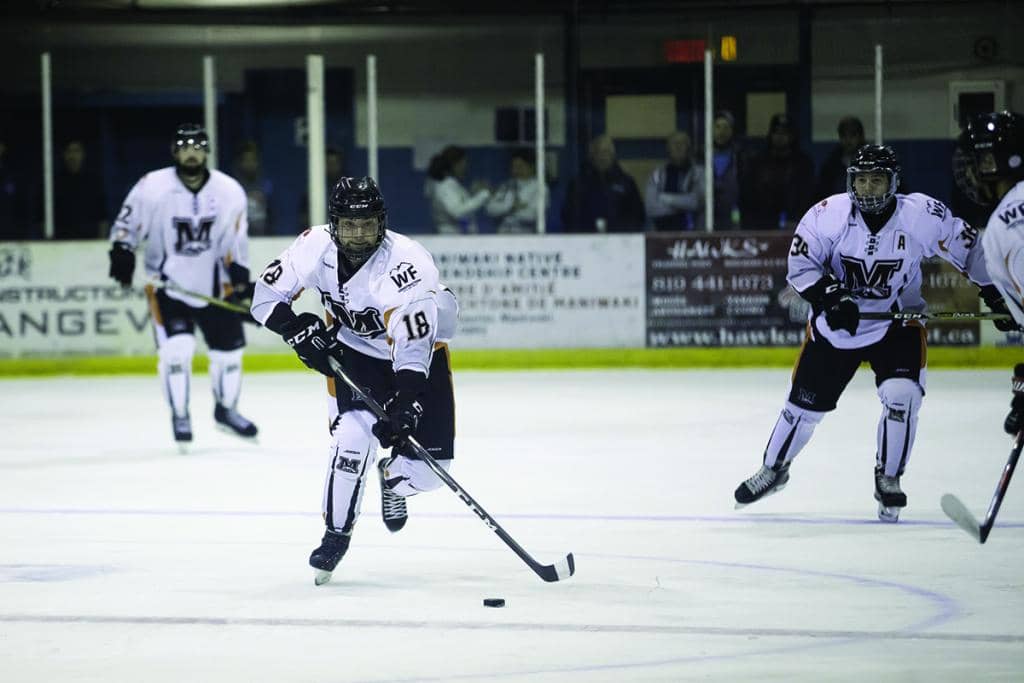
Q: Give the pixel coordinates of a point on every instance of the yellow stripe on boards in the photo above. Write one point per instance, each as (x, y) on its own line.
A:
(517, 359)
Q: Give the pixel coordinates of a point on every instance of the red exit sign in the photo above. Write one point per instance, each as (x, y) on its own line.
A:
(684, 51)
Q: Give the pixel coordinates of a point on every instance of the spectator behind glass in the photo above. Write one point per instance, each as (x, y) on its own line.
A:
(452, 206)
(79, 205)
(258, 190)
(832, 178)
(514, 204)
(778, 187)
(12, 220)
(334, 168)
(727, 167)
(674, 196)
(603, 197)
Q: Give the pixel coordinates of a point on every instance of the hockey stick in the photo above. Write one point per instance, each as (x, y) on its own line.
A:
(549, 572)
(959, 513)
(213, 301)
(937, 316)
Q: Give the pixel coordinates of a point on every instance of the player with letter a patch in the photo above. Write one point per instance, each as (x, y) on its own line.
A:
(854, 252)
(394, 319)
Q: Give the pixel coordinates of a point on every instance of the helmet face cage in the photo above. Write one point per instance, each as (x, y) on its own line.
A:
(190, 134)
(356, 198)
(873, 159)
(990, 149)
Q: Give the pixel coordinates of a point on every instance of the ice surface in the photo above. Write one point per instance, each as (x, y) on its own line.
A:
(121, 560)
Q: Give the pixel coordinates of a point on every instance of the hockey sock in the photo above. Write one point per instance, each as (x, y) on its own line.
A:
(175, 367)
(791, 433)
(901, 399)
(226, 376)
(353, 447)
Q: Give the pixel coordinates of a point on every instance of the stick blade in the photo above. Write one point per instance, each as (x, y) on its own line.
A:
(959, 513)
(557, 571)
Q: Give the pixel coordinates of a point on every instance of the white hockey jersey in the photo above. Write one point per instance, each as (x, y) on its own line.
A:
(1004, 249)
(393, 307)
(191, 237)
(881, 270)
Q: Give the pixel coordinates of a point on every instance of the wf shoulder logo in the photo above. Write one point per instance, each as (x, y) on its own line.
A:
(404, 276)
(15, 261)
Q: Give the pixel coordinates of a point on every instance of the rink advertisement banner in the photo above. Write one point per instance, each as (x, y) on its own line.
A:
(515, 292)
(721, 290)
(731, 290)
(544, 291)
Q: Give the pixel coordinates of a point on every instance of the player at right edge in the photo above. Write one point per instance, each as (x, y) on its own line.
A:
(993, 148)
(862, 251)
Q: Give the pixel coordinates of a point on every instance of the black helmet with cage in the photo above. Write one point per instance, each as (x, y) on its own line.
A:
(873, 159)
(190, 134)
(352, 200)
(991, 150)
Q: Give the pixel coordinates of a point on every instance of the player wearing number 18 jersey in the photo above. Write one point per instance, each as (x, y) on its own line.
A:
(394, 319)
(862, 251)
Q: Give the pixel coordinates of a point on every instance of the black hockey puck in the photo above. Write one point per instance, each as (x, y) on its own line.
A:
(494, 602)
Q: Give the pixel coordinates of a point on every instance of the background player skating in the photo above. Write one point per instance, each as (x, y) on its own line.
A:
(854, 252)
(394, 319)
(193, 221)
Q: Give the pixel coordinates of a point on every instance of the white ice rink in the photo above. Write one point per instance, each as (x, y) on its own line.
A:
(121, 560)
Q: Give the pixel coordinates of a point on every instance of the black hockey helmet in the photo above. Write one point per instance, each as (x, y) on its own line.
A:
(190, 134)
(991, 149)
(873, 159)
(355, 198)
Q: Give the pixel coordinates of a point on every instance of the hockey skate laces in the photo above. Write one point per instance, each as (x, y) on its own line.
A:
(762, 480)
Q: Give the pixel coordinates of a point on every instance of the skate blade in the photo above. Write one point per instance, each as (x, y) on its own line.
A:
(890, 515)
(321, 577)
(243, 437)
(740, 506)
(184, 447)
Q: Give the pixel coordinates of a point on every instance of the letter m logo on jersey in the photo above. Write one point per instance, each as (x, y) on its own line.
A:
(193, 235)
(873, 283)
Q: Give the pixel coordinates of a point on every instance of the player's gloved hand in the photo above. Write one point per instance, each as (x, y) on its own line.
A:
(994, 300)
(241, 288)
(841, 311)
(403, 409)
(122, 263)
(312, 342)
(1014, 422)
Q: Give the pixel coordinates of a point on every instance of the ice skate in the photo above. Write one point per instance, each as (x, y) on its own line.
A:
(325, 558)
(889, 495)
(182, 426)
(766, 481)
(230, 421)
(393, 508)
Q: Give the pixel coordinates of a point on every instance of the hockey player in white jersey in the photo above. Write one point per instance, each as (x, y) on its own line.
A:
(194, 225)
(393, 321)
(992, 174)
(856, 252)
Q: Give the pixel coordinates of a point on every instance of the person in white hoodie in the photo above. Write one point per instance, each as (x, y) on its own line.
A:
(514, 204)
(452, 206)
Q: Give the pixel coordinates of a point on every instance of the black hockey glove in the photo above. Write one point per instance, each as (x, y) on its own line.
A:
(241, 288)
(1014, 422)
(837, 304)
(122, 263)
(312, 342)
(403, 409)
(994, 300)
